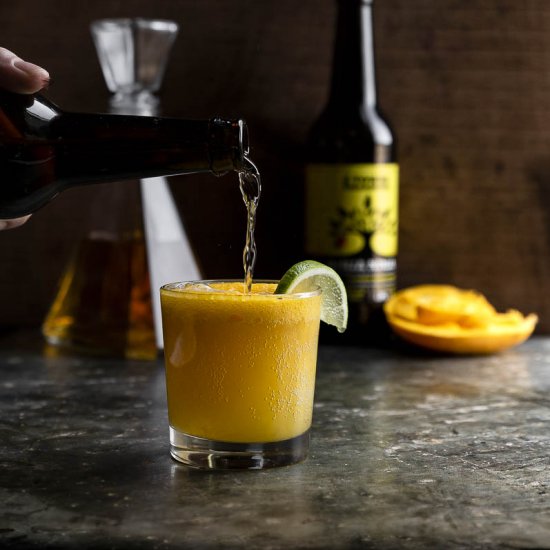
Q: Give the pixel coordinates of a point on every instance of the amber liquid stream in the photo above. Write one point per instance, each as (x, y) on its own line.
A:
(251, 187)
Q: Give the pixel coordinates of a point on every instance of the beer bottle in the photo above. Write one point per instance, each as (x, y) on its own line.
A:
(44, 150)
(351, 180)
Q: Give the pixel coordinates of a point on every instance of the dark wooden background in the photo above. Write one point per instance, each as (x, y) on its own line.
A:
(466, 84)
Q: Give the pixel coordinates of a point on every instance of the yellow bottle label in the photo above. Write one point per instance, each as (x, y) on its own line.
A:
(350, 208)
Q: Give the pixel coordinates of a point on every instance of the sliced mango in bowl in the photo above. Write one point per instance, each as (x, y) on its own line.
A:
(448, 319)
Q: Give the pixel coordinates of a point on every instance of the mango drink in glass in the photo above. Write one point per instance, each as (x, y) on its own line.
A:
(240, 373)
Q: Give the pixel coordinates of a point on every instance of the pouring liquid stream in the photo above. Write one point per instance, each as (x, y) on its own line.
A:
(251, 187)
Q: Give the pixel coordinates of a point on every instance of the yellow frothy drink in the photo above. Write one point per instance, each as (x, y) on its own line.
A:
(240, 368)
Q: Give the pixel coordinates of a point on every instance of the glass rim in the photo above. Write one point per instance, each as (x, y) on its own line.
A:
(173, 287)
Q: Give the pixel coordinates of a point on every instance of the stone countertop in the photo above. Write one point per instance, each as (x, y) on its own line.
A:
(408, 451)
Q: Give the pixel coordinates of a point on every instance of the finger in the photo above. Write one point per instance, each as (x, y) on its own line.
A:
(15, 222)
(20, 76)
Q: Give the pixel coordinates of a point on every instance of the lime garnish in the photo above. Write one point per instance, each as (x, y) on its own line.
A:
(306, 276)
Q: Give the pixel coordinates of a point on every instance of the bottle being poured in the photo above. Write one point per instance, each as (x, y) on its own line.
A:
(44, 150)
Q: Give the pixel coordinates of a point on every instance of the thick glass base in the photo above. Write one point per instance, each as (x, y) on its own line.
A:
(206, 454)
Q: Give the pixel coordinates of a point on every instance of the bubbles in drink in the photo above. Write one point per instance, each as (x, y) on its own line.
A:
(204, 287)
(250, 185)
(199, 287)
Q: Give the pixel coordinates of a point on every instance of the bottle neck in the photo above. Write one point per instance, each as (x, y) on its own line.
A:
(353, 73)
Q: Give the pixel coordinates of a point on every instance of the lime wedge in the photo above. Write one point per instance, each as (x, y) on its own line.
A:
(306, 276)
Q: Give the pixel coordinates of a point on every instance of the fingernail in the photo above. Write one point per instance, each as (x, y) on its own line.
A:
(31, 69)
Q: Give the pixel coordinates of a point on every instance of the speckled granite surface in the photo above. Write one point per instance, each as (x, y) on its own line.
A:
(408, 451)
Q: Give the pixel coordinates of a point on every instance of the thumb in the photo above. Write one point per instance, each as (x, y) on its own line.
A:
(15, 222)
(20, 76)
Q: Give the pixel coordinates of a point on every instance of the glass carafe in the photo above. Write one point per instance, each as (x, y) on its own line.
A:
(136, 241)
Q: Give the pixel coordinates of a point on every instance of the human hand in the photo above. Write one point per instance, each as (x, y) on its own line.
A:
(20, 77)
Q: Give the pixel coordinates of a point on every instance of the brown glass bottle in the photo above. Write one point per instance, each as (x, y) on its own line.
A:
(351, 192)
(44, 150)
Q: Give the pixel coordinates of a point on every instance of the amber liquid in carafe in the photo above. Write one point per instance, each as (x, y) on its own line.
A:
(103, 304)
(105, 296)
